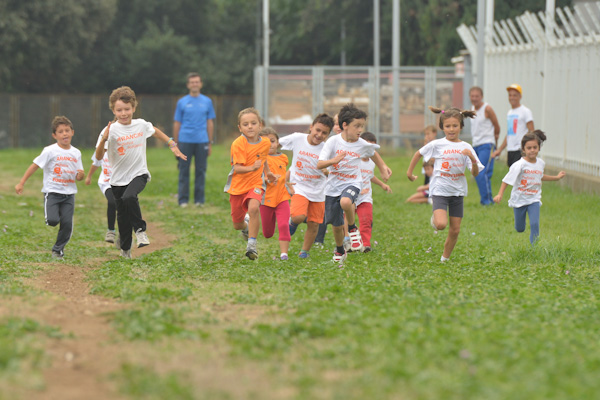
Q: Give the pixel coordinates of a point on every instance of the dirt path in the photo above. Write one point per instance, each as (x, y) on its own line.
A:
(81, 364)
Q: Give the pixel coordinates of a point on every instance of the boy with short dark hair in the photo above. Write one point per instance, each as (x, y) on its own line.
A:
(62, 166)
(342, 154)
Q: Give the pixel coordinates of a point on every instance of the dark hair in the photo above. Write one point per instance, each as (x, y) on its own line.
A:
(369, 137)
(192, 75)
(61, 120)
(268, 131)
(452, 113)
(476, 88)
(349, 113)
(536, 135)
(324, 119)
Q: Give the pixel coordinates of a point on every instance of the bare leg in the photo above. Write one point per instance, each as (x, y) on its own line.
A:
(338, 234)
(452, 236)
(349, 209)
(440, 219)
(309, 237)
(254, 213)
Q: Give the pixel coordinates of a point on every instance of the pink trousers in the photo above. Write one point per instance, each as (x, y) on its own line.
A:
(364, 211)
(279, 214)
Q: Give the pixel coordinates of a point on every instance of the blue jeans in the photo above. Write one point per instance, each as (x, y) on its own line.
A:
(484, 179)
(534, 220)
(198, 151)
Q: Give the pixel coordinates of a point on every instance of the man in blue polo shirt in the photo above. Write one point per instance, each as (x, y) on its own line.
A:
(193, 131)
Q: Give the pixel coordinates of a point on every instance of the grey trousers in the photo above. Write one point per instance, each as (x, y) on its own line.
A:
(58, 209)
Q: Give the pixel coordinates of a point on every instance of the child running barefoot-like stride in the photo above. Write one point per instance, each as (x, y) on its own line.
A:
(62, 166)
(124, 140)
(526, 176)
(246, 181)
(276, 208)
(448, 186)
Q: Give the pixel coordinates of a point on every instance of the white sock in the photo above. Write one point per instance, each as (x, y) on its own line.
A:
(444, 259)
(283, 254)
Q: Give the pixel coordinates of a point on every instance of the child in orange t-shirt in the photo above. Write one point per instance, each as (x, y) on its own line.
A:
(276, 206)
(246, 181)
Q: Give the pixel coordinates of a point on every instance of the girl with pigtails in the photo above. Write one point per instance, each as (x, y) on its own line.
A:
(448, 185)
(526, 176)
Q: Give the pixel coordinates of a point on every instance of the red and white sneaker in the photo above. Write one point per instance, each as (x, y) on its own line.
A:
(355, 239)
(339, 258)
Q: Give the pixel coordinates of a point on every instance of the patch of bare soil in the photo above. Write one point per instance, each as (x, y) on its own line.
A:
(81, 362)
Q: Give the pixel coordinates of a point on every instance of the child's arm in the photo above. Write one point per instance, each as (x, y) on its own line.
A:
(289, 185)
(498, 197)
(558, 177)
(328, 163)
(100, 150)
(242, 169)
(271, 177)
(423, 187)
(19, 186)
(80, 175)
(411, 167)
(384, 170)
(385, 187)
(502, 147)
(93, 169)
(169, 141)
(474, 167)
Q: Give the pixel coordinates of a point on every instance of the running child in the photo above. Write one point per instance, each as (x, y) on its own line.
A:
(448, 186)
(276, 208)
(246, 182)
(62, 166)
(104, 185)
(342, 155)
(364, 203)
(124, 141)
(308, 201)
(526, 176)
(422, 194)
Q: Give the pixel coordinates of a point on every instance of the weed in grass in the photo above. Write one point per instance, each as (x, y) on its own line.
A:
(142, 383)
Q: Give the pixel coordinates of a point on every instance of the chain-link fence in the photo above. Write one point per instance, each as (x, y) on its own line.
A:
(25, 118)
(292, 96)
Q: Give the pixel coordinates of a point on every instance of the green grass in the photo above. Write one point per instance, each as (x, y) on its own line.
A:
(501, 320)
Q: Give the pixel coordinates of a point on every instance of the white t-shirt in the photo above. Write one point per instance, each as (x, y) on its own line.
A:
(60, 168)
(449, 168)
(126, 149)
(367, 169)
(346, 172)
(517, 126)
(482, 128)
(526, 180)
(106, 171)
(309, 180)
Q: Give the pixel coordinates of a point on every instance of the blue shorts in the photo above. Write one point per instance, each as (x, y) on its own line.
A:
(334, 214)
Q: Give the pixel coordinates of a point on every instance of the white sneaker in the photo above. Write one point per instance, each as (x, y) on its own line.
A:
(245, 230)
(339, 258)
(126, 253)
(110, 236)
(251, 251)
(142, 238)
(356, 243)
(183, 205)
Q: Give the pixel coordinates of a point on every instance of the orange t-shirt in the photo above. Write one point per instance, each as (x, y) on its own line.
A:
(246, 154)
(276, 191)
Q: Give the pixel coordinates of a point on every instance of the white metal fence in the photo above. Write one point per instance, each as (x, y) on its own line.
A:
(295, 95)
(556, 59)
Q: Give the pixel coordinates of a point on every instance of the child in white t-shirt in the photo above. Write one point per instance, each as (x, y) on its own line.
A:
(62, 166)
(448, 186)
(308, 200)
(104, 185)
(124, 140)
(342, 155)
(526, 176)
(364, 203)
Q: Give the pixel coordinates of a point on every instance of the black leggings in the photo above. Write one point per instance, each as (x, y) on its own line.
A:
(111, 209)
(129, 214)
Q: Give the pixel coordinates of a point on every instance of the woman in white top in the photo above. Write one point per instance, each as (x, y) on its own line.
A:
(448, 184)
(526, 176)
